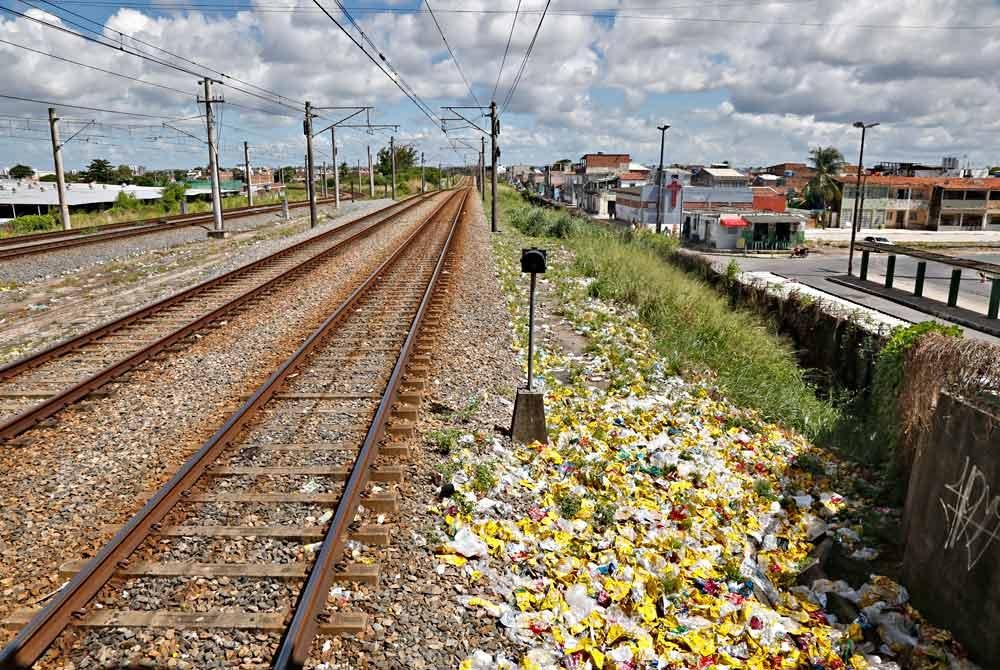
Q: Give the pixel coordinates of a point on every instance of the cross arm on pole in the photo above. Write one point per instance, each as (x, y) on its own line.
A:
(184, 132)
(459, 114)
(70, 138)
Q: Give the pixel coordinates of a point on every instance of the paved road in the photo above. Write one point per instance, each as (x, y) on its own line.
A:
(814, 270)
(897, 235)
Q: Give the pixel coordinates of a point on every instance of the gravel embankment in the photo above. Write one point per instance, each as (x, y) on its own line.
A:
(49, 297)
(416, 621)
(63, 495)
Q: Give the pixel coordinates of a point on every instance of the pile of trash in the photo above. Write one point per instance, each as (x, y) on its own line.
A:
(662, 527)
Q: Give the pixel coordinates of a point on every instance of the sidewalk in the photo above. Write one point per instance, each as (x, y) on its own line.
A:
(937, 308)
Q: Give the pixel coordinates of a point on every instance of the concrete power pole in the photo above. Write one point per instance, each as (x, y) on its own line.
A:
(323, 177)
(60, 177)
(213, 162)
(494, 131)
(482, 169)
(423, 179)
(247, 173)
(392, 154)
(336, 165)
(308, 128)
(371, 174)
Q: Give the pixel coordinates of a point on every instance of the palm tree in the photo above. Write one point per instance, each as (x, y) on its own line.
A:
(823, 188)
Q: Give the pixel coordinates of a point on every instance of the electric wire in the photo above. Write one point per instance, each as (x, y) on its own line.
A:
(506, 50)
(452, 53)
(524, 62)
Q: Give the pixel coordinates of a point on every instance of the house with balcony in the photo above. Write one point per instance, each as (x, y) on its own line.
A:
(965, 204)
(927, 203)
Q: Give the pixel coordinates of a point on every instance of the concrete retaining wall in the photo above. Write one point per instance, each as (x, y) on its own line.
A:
(952, 524)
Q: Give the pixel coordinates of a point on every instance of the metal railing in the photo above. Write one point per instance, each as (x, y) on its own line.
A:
(986, 271)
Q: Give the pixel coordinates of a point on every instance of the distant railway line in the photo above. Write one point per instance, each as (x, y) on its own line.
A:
(36, 387)
(321, 432)
(37, 243)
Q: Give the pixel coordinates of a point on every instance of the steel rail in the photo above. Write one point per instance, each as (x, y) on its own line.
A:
(33, 415)
(32, 641)
(67, 239)
(297, 640)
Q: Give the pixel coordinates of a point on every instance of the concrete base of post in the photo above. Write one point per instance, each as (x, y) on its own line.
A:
(528, 422)
(218, 234)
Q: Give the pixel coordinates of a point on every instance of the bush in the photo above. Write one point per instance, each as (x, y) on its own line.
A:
(31, 223)
(126, 201)
(173, 194)
(889, 375)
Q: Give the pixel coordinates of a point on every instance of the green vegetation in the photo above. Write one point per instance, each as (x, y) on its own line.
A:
(883, 419)
(569, 505)
(697, 331)
(484, 478)
(443, 441)
(32, 223)
(20, 171)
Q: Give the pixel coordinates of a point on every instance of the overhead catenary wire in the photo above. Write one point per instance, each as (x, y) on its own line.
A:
(610, 13)
(91, 109)
(506, 50)
(395, 79)
(94, 67)
(102, 40)
(454, 58)
(524, 61)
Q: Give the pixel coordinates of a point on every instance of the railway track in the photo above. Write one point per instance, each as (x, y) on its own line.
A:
(307, 458)
(36, 387)
(37, 243)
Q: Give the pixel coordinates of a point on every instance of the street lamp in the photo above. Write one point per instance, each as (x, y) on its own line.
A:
(659, 179)
(857, 191)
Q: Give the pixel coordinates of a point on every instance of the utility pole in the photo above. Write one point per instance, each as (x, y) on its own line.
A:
(855, 223)
(307, 128)
(359, 183)
(392, 154)
(494, 131)
(247, 173)
(659, 180)
(423, 180)
(336, 166)
(371, 174)
(213, 162)
(60, 177)
(482, 168)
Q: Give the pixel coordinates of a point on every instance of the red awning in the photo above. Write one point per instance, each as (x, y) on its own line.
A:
(734, 222)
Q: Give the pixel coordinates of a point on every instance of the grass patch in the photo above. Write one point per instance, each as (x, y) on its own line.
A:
(697, 330)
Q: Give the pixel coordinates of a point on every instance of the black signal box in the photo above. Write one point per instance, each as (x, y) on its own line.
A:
(533, 260)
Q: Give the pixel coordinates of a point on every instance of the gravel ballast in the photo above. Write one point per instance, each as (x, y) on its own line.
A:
(65, 493)
(48, 297)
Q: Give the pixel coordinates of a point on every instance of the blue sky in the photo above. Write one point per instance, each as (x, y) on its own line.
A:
(754, 82)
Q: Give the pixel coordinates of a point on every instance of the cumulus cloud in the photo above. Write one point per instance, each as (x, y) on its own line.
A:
(753, 82)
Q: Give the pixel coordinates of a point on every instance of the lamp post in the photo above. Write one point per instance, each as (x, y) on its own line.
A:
(857, 191)
(659, 179)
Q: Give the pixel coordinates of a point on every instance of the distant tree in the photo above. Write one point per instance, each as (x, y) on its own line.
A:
(48, 177)
(822, 190)
(172, 195)
(99, 171)
(406, 158)
(21, 172)
(122, 174)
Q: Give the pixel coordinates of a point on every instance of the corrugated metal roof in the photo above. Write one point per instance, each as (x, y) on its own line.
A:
(14, 192)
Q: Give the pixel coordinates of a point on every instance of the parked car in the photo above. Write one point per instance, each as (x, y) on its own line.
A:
(877, 239)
